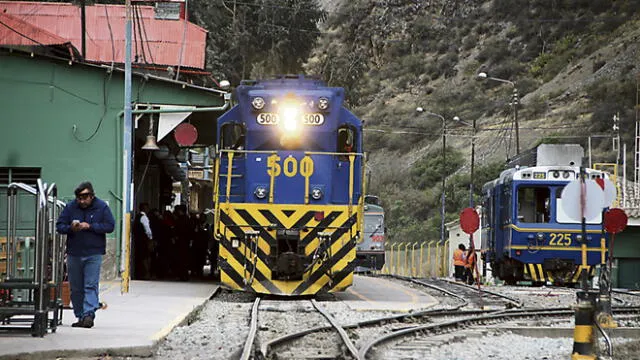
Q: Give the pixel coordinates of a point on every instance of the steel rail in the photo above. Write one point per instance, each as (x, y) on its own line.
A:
(343, 334)
(454, 311)
(450, 325)
(253, 328)
(502, 315)
(517, 303)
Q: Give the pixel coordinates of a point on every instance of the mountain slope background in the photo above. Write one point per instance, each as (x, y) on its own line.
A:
(574, 64)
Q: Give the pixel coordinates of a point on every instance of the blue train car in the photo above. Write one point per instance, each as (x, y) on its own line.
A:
(288, 191)
(370, 250)
(526, 232)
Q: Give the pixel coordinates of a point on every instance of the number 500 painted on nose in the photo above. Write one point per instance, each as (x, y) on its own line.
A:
(289, 166)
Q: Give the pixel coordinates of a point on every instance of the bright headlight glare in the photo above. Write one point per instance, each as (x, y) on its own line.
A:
(257, 103)
(289, 116)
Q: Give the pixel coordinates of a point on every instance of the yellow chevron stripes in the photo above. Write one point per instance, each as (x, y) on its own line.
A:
(323, 247)
(537, 273)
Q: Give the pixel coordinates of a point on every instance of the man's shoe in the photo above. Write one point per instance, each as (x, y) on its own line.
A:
(87, 322)
(77, 323)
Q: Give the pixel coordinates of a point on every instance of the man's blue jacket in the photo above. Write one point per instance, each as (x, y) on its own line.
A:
(93, 240)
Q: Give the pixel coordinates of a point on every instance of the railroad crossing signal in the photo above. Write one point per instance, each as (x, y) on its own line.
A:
(469, 220)
(615, 220)
(590, 199)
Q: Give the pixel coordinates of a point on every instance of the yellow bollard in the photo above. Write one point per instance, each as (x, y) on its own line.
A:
(405, 270)
(445, 258)
(398, 260)
(429, 257)
(420, 274)
(391, 262)
(413, 259)
(437, 270)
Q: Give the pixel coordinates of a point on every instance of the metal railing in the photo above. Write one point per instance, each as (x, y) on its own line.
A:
(34, 290)
(417, 259)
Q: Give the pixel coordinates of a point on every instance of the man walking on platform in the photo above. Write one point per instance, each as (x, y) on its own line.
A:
(86, 221)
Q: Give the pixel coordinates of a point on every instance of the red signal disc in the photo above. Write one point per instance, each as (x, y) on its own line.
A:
(469, 220)
(186, 134)
(615, 220)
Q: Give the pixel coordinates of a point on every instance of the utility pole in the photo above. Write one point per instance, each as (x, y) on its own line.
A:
(473, 155)
(515, 101)
(127, 154)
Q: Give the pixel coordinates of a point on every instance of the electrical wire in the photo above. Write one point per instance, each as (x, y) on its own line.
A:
(105, 98)
(21, 34)
(144, 173)
(146, 37)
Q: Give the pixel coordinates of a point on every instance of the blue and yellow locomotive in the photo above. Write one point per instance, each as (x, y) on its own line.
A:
(288, 189)
(527, 234)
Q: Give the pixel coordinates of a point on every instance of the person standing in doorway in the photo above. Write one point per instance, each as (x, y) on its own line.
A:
(142, 243)
(86, 221)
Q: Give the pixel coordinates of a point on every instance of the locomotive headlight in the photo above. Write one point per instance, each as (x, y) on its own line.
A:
(260, 192)
(566, 174)
(323, 103)
(290, 117)
(540, 236)
(257, 103)
(556, 174)
(579, 237)
(316, 193)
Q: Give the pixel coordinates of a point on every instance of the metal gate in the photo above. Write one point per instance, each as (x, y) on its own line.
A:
(30, 290)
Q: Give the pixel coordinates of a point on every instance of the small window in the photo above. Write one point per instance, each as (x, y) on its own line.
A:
(26, 175)
(346, 142)
(233, 137)
(534, 204)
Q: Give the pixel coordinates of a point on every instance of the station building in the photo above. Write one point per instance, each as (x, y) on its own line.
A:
(62, 101)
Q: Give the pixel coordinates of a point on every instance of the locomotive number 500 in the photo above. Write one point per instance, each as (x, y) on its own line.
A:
(289, 166)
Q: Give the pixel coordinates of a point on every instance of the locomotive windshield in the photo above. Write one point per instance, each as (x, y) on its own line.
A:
(373, 224)
(534, 204)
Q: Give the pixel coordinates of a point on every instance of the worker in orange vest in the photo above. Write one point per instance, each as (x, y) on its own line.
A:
(459, 262)
(469, 266)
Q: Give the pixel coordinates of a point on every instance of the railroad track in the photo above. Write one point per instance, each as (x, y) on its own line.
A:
(410, 340)
(397, 336)
(467, 294)
(342, 346)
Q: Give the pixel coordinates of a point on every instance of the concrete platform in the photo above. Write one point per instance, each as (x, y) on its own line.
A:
(377, 293)
(132, 325)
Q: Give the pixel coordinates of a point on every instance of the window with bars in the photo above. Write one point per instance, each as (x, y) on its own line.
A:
(27, 175)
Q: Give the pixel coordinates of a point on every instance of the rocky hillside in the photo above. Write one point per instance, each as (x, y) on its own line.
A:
(573, 63)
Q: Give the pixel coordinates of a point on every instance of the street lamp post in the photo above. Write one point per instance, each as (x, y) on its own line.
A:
(444, 162)
(515, 100)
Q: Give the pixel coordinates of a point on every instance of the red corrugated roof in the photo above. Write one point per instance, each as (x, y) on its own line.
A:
(104, 22)
(14, 31)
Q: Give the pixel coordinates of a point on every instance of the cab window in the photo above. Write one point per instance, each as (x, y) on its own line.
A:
(534, 204)
(346, 141)
(233, 137)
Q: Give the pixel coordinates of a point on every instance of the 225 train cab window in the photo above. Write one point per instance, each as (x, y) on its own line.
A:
(534, 204)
